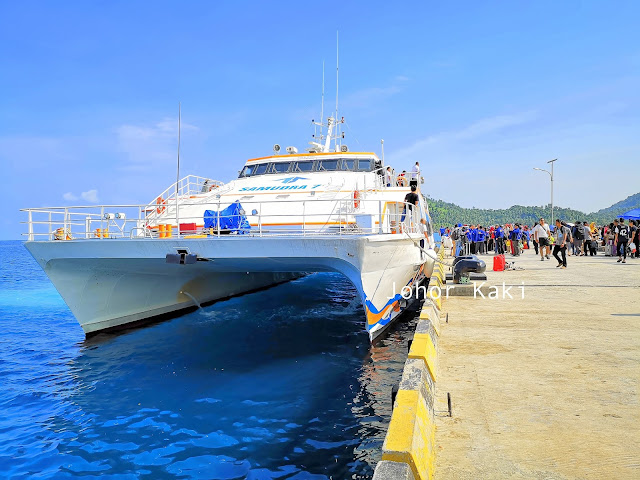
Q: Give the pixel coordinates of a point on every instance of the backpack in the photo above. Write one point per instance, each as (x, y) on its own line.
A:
(580, 232)
(455, 235)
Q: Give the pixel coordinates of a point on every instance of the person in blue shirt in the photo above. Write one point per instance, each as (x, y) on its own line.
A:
(473, 238)
(482, 237)
(516, 236)
(499, 240)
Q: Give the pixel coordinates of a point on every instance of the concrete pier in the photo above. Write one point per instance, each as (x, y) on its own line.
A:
(544, 386)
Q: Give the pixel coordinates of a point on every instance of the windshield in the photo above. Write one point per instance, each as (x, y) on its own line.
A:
(304, 166)
(308, 166)
(282, 167)
(328, 165)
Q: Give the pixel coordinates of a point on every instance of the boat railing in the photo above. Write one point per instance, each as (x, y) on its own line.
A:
(265, 218)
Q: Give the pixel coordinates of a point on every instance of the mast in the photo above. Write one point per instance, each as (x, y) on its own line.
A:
(337, 84)
(322, 104)
(178, 170)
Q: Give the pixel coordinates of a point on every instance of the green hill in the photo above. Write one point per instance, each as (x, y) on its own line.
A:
(447, 214)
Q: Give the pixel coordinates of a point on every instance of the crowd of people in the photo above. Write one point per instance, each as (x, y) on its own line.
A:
(619, 238)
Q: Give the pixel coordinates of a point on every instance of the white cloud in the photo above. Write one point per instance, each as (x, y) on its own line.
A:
(481, 128)
(69, 197)
(146, 146)
(90, 196)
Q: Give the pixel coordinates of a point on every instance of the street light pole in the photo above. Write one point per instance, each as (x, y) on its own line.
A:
(552, 162)
(551, 175)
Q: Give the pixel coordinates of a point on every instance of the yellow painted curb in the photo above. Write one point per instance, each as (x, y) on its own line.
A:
(436, 299)
(411, 435)
(423, 348)
(431, 314)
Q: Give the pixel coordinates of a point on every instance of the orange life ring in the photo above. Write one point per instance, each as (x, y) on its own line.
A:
(213, 187)
(162, 202)
(402, 181)
(356, 199)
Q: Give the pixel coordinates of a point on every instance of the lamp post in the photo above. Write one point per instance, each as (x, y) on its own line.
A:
(551, 220)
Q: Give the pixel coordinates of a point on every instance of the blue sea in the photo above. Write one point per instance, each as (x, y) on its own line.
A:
(279, 384)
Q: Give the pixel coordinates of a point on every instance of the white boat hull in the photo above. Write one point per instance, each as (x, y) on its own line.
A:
(114, 283)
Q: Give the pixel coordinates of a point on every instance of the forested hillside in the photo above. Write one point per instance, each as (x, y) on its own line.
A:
(448, 214)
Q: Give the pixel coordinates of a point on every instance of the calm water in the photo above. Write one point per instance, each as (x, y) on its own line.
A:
(280, 384)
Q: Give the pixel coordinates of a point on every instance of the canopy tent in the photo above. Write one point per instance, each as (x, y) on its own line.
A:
(632, 214)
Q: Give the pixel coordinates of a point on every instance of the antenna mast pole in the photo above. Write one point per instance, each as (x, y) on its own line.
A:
(322, 107)
(178, 171)
(337, 84)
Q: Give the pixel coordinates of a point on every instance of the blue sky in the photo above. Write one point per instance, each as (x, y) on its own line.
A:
(478, 92)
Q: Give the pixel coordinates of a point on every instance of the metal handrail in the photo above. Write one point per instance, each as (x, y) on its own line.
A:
(341, 217)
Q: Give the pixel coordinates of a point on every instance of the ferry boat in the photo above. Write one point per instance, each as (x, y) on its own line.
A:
(201, 240)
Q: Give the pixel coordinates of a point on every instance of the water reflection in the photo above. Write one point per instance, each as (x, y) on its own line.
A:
(270, 385)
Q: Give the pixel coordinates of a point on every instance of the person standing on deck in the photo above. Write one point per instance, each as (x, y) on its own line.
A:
(388, 176)
(415, 175)
(412, 200)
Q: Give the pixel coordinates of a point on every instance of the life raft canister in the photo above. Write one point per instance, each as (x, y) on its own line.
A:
(356, 199)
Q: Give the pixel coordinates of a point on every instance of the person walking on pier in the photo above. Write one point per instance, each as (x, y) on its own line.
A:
(533, 239)
(622, 237)
(562, 236)
(541, 235)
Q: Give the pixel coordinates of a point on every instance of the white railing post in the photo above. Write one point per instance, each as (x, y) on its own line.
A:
(304, 219)
(30, 225)
(218, 214)
(50, 226)
(260, 221)
(379, 216)
(101, 223)
(87, 226)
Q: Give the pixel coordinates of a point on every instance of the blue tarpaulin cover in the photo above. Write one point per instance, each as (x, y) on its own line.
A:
(231, 219)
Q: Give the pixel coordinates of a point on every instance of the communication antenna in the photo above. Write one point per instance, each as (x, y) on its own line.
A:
(178, 172)
(322, 103)
(382, 146)
(337, 84)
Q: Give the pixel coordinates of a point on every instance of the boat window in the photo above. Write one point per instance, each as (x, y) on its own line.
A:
(247, 171)
(348, 164)
(328, 165)
(365, 165)
(304, 166)
(261, 169)
(280, 167)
